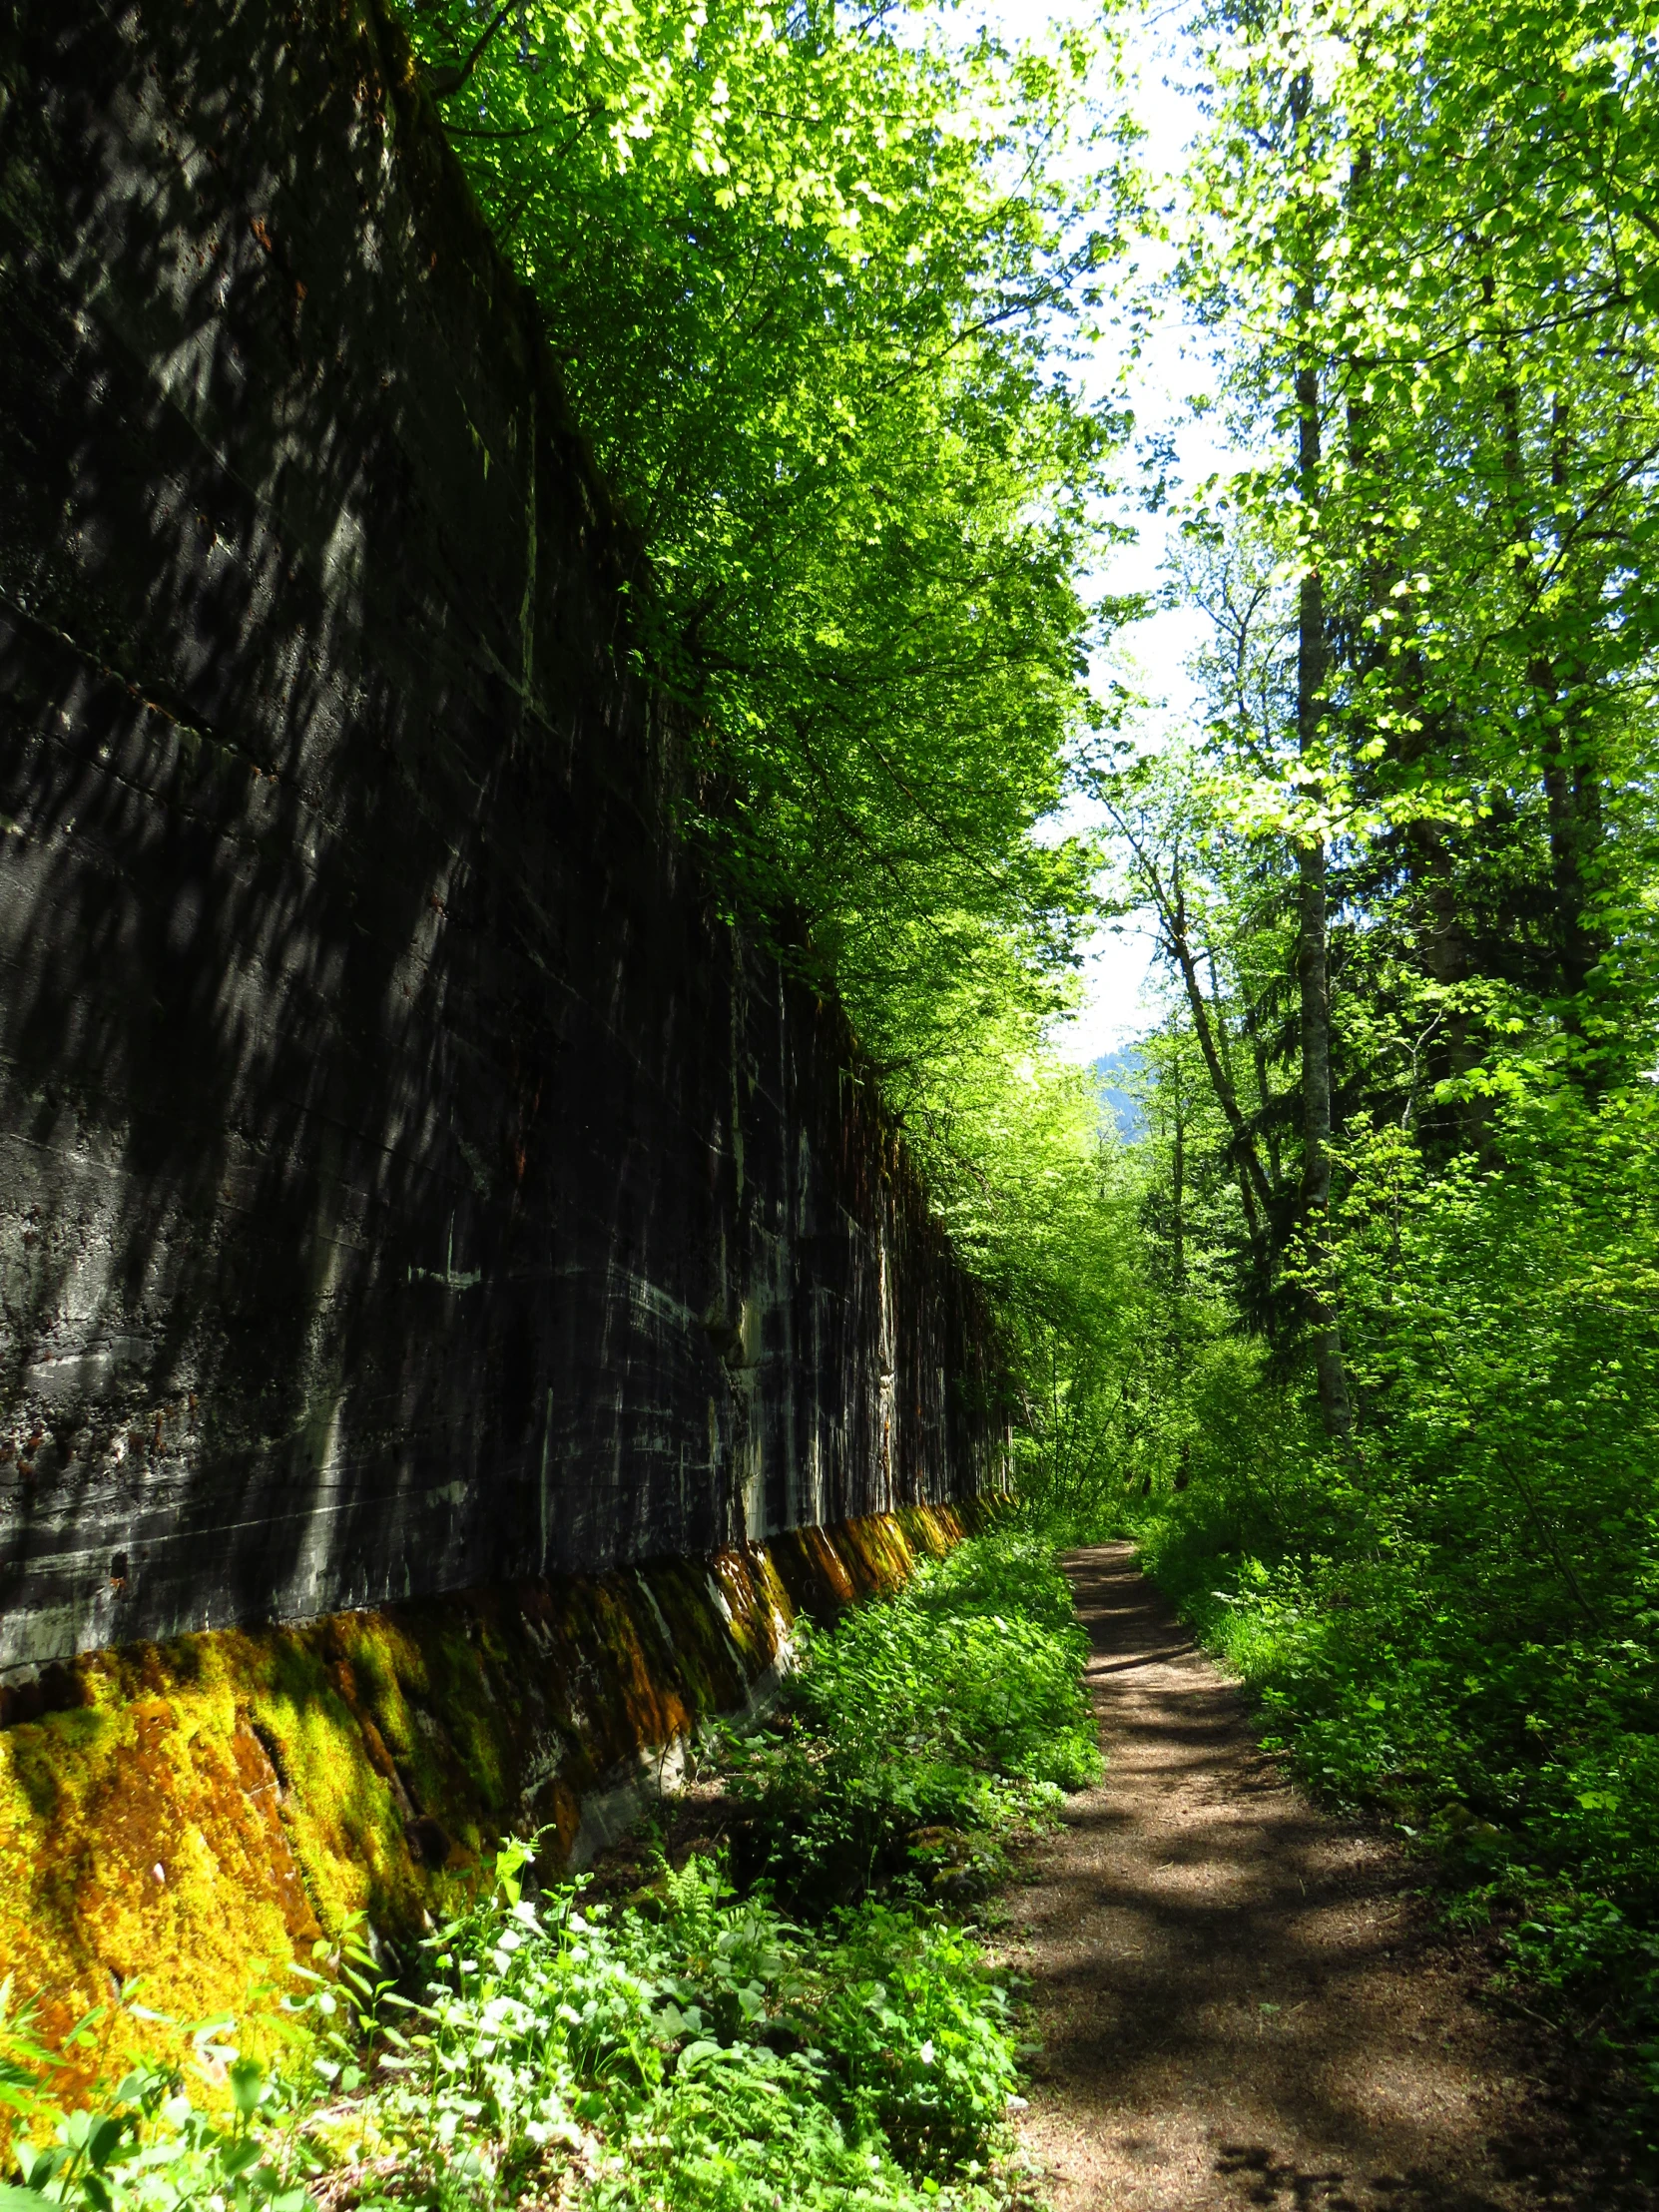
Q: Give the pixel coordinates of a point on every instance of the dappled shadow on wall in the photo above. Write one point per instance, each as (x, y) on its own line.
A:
(389, 1130)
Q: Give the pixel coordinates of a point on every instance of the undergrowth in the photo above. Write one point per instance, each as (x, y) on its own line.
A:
(799, 2023)
(923, 1731)
(1503, 1724)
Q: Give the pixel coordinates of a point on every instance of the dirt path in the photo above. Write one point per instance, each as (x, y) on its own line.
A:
(1238, 1998)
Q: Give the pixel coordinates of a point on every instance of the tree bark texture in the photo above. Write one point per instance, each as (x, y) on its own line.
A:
(1313, 940)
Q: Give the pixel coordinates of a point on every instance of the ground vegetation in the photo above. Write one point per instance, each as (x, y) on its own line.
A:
(797, 2011)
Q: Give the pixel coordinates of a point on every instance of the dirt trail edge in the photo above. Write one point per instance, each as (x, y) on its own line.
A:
(1239, 2001)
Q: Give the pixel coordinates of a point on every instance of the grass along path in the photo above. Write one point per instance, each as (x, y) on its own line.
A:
(1239, 2001)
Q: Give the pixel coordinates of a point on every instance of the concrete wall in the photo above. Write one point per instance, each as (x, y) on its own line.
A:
(408, 1182)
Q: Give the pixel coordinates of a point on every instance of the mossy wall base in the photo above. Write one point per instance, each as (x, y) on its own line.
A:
(194, 1814)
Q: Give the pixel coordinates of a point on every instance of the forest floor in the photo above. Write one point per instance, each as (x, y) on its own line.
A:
(1244, 2001)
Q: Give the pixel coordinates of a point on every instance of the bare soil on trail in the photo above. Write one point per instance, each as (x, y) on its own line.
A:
(1240, 1999)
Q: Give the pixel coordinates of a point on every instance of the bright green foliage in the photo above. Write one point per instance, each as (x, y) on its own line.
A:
(924, 1727)
(147, 2145)
(1042, 1205)
(1427, 247)
(717, 2055)
(1440, 217)
(811, 278)
(749, 2126)
(922, 2037)
(976, 1659)
(1429, 258)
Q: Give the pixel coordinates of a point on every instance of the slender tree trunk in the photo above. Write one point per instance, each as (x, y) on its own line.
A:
(1572, 792)
(1264, 1117)
(1571, 787)
(1256, 1195)
(1574, 803)
(1445, 943)
(1178, 1207)
(1178, 1188)
(1254, 1188)
(1312, 938)
(1255, 1192)
(1443, 940)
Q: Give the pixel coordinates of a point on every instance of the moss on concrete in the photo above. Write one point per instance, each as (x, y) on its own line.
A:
(196, 1814)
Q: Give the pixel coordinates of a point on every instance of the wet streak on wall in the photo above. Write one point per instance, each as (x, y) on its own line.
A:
(407, 1181)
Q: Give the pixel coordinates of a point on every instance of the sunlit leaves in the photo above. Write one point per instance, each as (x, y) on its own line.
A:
(812, 280)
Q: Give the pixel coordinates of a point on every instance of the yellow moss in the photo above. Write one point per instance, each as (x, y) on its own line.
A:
(705, 1656)
(342, 1813)
(141, 1845)
(875, 1553)
(282, 1780)
(773, 1597)
(934, 1530)
(749, 1618)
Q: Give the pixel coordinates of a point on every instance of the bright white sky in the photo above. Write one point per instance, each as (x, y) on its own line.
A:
(1150, 656)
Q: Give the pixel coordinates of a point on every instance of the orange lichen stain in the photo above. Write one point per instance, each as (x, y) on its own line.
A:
(338, 1802)
(935, 1529)
(216, 1804)
(739, 1580)
(812, 1574)
(775, 1611)
(875, 1553)
(705, 1659)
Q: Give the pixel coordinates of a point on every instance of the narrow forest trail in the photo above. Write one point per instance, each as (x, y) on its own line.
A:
(1239, 2001)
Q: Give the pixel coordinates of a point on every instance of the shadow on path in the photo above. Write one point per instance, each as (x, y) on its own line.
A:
(1238, 1998)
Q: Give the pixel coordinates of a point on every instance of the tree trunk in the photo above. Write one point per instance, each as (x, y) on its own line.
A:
(1572, 792)
(1255, 1192)
(1178, 1191)
(1571, 787)
(1444, 940)
(1574, 800)
(1313, 974)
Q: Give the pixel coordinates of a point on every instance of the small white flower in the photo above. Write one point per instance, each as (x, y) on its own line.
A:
(925, 2054)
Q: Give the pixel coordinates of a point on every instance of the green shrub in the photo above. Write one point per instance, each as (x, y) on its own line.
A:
(955, 1705)
(919, 2036)
(708, 2052)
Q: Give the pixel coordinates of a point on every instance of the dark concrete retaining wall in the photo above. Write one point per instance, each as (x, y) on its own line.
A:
(408, 1182)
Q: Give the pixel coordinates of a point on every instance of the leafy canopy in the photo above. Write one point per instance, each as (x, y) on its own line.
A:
(813, 279)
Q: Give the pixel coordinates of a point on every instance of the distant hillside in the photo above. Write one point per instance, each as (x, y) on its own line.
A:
(1111, 1071)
